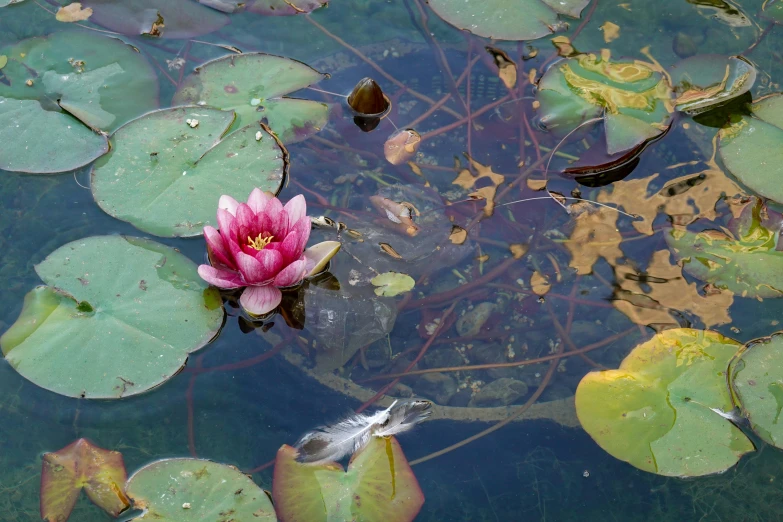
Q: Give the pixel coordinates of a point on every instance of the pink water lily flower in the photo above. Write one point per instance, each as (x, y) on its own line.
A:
(260, 245)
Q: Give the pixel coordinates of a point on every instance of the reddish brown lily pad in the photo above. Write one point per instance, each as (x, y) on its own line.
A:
(379, 485)
(82, 465)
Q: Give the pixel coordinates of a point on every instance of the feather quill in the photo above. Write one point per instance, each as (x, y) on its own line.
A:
(333, 442)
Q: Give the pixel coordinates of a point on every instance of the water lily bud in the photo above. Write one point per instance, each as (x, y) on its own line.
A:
(367, 98)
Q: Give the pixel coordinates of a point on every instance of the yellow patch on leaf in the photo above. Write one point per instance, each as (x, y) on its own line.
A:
(73, 13)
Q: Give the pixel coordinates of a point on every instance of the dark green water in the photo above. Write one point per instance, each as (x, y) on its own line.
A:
(530, 470)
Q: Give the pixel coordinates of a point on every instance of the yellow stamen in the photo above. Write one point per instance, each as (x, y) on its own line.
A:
(260, 242)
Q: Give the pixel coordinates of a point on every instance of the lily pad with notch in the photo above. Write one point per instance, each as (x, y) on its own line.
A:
(743, 259)
(255, 85)
(629, 99)
(750, 147)
(60, 93)
(664, 410)
(756, 376)
(167, 181)
(195, 490)
(706, 81)
(169, 19)
(509, 19)
(82, 465)
(119, 318)
(379, 485)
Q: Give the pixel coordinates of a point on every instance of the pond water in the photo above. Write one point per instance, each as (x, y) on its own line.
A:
(600, 257)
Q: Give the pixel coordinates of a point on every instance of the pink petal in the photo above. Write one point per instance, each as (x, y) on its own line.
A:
(228, 203)
(296, 240)
(318, 255)
(274, 220)
(259, 269)
(220, 278)
(246, 223)
(260, 300)
(224, 221)
(217, 247)
(296, 208)
(291, 275)
(257, 200)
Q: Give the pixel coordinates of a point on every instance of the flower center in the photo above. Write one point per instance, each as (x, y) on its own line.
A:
(260, 242)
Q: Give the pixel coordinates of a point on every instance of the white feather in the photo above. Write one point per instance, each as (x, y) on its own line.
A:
(331, 443)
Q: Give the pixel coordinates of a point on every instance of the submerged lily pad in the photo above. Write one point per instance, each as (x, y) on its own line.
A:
(745, 262)
(508, 19)
(57, 91)
(169, 19)
(167, 169)
(757, 380)
(195, 490)
(631, 98)
(284, 7)
(254, 85)
(81, 465)
(751, 147)
(706, 80)
(661, 411)
(379, 485)
(120, 317)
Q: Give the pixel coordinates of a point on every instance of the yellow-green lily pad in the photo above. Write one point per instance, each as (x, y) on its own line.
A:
(664, 409)
(379, 486)
(390, 284)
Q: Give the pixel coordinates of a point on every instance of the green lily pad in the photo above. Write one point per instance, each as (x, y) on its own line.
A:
(254, 85)
(757, 380)
(773, 10)
(81, 465)
(751, 147)
(284, 7)
(58, 91)
(379, 485)
(169, 19)
(745, 262)
(195, 490)
(120, 317)
(508, 19)
(390, 284)
(4, 3)
(631, 97)
(707, 80)
(661, 411)
(167, 169)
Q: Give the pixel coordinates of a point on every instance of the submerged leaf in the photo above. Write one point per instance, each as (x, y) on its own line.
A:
(664, 410)
(390, 284)
(401, 146)
(80, 465)
(169, 19)
(595, 235)
(467, 180)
